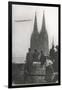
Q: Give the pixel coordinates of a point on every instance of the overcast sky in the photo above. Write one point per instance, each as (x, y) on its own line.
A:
(21, 31)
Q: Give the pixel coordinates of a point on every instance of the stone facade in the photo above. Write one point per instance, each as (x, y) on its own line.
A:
(39, 41)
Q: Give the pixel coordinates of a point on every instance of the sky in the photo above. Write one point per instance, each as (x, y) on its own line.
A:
(21, 31)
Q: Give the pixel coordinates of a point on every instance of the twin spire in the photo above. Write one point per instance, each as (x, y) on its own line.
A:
(39, 41)
(43, 24)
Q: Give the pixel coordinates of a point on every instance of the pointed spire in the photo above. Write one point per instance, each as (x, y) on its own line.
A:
(43, 28)
(35, 24)
(44, 44)
(34, 37)
(43, 20)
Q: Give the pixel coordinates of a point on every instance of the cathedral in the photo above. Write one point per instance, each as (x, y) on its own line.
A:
(38, 40)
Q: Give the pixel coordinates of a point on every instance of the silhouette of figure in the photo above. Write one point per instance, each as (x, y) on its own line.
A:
(28, 64)
(42, 58)
(49, 70)
(28, 68)
(35, 55)
(52, 53)
(55, 64)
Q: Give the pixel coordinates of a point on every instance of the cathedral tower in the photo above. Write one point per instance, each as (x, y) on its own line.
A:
(35, 35)
(40, 41)
(43, 38)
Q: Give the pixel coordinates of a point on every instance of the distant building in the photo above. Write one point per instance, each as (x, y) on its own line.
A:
(43, 38)
(34, 43)
(39, 41)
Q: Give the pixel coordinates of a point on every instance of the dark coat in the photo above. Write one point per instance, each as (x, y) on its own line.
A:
(42, 59)
(35, 56)
(28, 64)
(55, 64)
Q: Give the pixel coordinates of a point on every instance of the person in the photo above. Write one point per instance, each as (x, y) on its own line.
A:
(55, 64)
(28, 64)
(35, 55)
(49, 70)
(52, 53)
(42, 58)
(28, 67)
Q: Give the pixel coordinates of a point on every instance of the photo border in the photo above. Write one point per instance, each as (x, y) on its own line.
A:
(10, 3)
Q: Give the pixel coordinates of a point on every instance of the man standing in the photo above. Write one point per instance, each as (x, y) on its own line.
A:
(56, 60)
(52, 53)
(28, 67)
(49, 69)
(28, 64)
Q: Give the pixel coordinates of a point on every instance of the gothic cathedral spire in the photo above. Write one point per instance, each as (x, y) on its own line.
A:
(34, 36)
(40, 41)
(35, 29)
(43, 38)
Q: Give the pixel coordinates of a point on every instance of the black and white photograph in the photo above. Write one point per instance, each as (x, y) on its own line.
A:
(35, 57)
